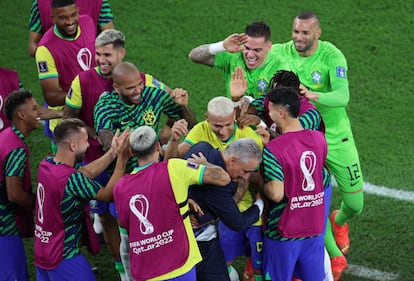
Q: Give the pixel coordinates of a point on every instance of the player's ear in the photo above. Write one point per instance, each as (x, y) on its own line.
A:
(116, 88)
(159, 148)
(269, 45)
(123, 53)
(318, 33)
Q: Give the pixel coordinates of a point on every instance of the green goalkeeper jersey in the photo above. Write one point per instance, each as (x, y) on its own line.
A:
(257, 79)
(324, 72)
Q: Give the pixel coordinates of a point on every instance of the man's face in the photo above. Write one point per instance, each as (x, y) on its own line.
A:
(130, 88)
(255, 52)
(30, 110)
(66, 19)
(241, 171)
(82, 144)
(107, 57)
(305, 34)
(274, 112)
(222, 126)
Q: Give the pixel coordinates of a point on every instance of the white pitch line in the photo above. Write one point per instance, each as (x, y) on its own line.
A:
(384, 191)
(389, 192)
(399, 194)
(369, 273)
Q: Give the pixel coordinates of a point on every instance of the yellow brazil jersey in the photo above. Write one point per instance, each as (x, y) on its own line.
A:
(202, 132)
(194, 175)
(75, 99)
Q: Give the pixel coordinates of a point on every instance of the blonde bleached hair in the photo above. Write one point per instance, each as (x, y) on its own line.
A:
(220, 107)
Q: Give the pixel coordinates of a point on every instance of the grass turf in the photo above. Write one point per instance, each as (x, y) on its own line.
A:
(376, 40)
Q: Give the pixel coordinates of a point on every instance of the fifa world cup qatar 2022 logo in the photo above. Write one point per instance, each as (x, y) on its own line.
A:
(84, 58)
(139, 206)
(40, 202)
(307, 165)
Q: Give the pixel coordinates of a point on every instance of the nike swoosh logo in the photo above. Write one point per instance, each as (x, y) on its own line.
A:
(124, 122)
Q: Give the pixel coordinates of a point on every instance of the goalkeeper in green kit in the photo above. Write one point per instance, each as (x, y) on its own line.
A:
(322, 70)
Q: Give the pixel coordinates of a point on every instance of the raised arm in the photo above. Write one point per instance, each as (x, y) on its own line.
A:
(204, 54)
(96, 167)
(105, 135)
(180, 96)
(178, 130)
(123, 154)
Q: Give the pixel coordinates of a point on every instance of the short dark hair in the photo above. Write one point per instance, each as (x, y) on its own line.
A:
(286, 97)
(66, 128)
(285, 78)
(14, 100)
(305, 15)
(62, 3)
(258, 29)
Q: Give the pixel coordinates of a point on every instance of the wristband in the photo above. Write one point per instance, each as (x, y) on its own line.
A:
(247, 99)
(215, 48)
(262, 124)
(236, 103)
(260, 204)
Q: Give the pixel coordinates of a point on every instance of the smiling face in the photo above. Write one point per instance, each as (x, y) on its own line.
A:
(305, 35)
(130, 87)
(255, 52)
(30, 110)
(107, 57)
(66, 19)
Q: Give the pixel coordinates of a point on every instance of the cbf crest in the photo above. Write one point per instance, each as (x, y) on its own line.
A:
(149, 117)
(316, 77)
(262, 85)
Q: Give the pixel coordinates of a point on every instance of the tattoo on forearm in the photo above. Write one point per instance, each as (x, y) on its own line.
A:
(241, 190)
(106, 138)
(70, 112)
(202, 55)
(213, 172)
(189, 116)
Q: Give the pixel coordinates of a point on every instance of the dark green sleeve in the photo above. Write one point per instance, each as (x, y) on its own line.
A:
(15, 163)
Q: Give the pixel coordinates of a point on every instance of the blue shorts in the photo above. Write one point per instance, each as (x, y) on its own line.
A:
(112, 210)
(248, 242)
(213, 266)
(100, 207)
(327, 198)
(76, 268)
(13, 264)
(304, 257)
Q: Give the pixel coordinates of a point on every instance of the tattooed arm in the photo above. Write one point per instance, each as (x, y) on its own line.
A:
(105, 136)
(204, 54)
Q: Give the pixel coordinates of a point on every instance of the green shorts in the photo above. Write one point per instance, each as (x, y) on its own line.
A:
(343, 162)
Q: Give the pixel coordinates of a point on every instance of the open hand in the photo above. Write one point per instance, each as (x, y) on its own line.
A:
(235, 42)
(238, 84)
